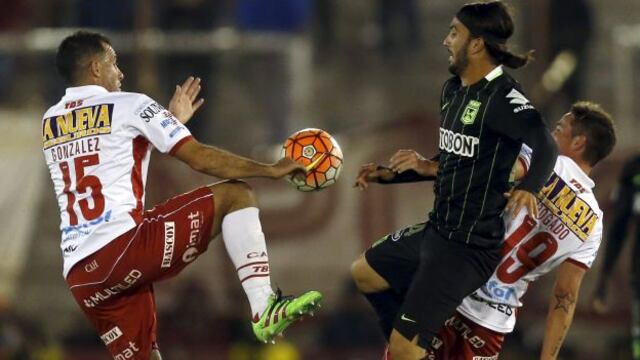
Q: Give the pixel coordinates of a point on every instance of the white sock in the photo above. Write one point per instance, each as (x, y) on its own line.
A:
(245, 243)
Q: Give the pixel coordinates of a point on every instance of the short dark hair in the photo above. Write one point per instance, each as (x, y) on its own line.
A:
(492, 22)
(74, 51)
(591, 121)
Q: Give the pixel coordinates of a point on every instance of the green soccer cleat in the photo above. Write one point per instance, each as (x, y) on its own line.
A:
(283, 311)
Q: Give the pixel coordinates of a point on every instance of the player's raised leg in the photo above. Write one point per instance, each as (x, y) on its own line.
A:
(384, 272)
(236, 217)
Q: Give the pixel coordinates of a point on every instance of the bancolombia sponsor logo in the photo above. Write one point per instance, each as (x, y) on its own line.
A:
(169, 243)
(116, 289)
(463, 145)
(111, 335)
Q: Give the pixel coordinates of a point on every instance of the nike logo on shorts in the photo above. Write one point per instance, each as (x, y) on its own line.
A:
(403, 317)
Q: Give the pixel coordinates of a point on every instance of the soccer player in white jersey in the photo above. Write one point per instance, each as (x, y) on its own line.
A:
(566, 234)
(97, 142)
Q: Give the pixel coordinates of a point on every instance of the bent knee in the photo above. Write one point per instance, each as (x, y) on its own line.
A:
(231, 195)
(366, 279)
(403, 349)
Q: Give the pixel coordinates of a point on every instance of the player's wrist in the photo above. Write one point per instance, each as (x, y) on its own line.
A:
(427, 167)
(382, 174)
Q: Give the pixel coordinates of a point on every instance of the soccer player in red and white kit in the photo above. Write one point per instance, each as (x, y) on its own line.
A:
(566, 233)
(97, 142)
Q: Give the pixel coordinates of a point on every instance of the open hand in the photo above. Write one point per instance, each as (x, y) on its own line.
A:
(183, 104)
(519, 199)
(371, 173)
(404, 160)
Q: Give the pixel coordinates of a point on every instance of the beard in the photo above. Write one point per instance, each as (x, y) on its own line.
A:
(461, 61)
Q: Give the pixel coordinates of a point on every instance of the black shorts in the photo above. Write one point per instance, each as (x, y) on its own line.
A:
(433, 273)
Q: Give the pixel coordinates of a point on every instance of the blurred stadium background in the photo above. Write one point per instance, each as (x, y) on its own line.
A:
(369, 72)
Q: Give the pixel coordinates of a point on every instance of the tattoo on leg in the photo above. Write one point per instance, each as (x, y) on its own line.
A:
(564, 301)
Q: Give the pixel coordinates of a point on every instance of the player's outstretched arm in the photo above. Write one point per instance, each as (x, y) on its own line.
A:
(406, 160)
(404, 166)
(561, 308)
(371, 172)
(223, 164)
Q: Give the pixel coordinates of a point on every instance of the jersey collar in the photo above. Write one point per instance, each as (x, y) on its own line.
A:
(492, 75)
(578, 173)
(84, 91)
(495, 73)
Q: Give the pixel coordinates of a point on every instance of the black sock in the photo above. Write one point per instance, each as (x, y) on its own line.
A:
(386, 304)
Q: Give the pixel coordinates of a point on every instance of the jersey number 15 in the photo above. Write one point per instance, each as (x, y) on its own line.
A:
(83, 183)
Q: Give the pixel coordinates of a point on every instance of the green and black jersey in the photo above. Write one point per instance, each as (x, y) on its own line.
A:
(482, 128)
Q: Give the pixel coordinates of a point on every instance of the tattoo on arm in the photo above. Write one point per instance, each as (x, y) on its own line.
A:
(559, 341)
(564, 301)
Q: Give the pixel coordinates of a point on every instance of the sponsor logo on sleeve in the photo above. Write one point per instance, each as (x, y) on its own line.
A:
(175, 131)
(149, 112)
(517, 98)
(169, 121)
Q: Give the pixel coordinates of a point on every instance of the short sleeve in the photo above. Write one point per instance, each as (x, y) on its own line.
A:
(158, 125)
(585, 255)
(525, 157)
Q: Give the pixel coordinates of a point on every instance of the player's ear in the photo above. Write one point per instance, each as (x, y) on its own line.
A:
(94, 67)
(579, 143)
(476, 45)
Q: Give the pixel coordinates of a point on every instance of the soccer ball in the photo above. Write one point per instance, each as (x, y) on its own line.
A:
(320, 153)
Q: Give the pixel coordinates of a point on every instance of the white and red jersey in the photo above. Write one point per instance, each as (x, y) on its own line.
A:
(97, 146)
(568, 228)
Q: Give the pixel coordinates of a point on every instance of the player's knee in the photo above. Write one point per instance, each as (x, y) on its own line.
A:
(233, 195)
(403, 349)
(401, 352)
(365, 277)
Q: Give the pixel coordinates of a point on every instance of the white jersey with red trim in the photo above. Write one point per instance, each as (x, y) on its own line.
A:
(97, 146)
(568, 228)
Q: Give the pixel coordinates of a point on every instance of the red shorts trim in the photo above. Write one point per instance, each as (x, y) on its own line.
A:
(114, 286)
(462, 339)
